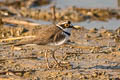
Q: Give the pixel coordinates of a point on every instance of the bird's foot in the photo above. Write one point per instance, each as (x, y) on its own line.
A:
(63, 65)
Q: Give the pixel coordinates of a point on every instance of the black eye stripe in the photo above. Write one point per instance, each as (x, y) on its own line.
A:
(67, 33)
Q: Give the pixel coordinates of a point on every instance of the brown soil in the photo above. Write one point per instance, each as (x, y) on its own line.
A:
(90, 55)
(94, 55)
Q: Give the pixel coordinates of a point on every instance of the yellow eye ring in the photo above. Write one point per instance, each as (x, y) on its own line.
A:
(66, 25)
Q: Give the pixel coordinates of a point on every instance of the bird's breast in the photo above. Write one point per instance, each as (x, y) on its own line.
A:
(60, 40)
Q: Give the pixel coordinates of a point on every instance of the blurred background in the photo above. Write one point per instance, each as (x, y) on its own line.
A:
(93, 52)
(89, 9)
(103, 4)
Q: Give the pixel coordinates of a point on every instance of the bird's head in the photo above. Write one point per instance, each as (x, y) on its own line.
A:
(65, 24)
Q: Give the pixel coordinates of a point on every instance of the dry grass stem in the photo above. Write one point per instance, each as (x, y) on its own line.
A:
(16, 38)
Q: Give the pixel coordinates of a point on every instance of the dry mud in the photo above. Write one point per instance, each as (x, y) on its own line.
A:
(92, 55)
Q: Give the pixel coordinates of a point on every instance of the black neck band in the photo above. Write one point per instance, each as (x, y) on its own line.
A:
(64, 31)
(67, 33)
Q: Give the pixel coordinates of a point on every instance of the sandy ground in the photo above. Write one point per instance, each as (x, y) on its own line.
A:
(90, 55)
(94, 55)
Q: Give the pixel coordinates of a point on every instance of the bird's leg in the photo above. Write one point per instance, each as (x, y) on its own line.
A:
(53, 55)
(46, 57)
(12, 47)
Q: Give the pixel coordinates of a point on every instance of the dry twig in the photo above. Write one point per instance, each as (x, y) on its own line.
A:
(19, 22)
(15, 38)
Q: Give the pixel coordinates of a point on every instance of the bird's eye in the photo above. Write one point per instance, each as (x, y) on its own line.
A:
(66, 25)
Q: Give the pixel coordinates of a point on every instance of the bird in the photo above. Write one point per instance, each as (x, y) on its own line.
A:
(54, 35)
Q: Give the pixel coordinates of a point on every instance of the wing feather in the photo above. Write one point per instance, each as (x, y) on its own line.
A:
(44, 36)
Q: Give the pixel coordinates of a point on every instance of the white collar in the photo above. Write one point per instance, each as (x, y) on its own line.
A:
(63, 29)
(59, 27)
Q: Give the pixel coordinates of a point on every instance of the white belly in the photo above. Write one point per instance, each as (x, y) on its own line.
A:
(60, 42)
(64, 40)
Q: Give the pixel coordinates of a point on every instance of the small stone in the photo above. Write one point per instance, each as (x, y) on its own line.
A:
(27, 74)
(93, 30)
(17, 48)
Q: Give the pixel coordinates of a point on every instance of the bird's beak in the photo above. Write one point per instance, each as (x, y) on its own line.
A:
(77, 27)
(71, 26)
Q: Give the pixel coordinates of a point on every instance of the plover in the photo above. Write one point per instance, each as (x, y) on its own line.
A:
(54, 35)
